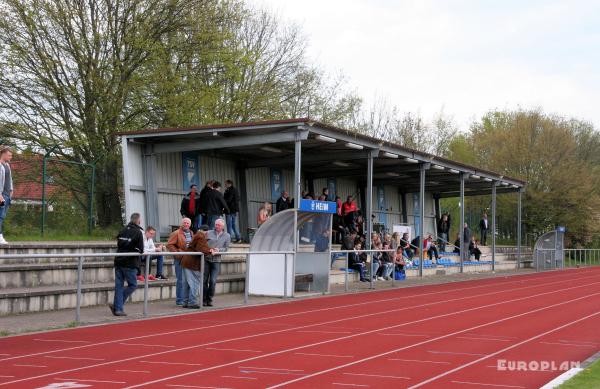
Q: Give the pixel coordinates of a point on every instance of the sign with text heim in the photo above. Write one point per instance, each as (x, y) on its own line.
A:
(317, 206)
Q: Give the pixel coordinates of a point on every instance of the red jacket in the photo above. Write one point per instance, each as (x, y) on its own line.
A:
(347, 208)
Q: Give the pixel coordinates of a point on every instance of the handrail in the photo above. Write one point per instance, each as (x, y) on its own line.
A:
(361, 251)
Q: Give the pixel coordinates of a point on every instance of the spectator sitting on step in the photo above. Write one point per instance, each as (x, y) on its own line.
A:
(191, 265)
(179, 241)
(431, 248)
(457, 244)
(406, 247)
(264, 213)
(387, 261)
(150, 247)
(399, 259)
(357, 261)
(474, 248)
(376, 255)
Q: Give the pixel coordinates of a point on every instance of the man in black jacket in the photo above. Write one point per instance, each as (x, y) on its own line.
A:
(216, 205)
(283, 202)
(190, 207)
(129, 240)
(232, 198)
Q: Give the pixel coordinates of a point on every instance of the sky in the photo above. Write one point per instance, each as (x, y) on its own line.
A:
(457, 56)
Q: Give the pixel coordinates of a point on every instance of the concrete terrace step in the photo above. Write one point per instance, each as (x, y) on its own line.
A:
(20, 300)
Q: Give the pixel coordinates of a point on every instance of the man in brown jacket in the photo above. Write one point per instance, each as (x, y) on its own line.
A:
(179, 240)
(191, 268)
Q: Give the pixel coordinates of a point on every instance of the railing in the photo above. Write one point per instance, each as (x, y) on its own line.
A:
(581, 257)
(81, 258)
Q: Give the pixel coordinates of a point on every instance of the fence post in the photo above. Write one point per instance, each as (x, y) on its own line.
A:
(201, 289)
(79, 276)
(346, 273)
(285, 270)
(146, 272)
(246, 279)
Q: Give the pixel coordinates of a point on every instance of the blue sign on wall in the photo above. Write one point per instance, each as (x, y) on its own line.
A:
(381, 204)
(191, 169)
(317, 206)
(417, 213)
(331, 184)
(276, 184)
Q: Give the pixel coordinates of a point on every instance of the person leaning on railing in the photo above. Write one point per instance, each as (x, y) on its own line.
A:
(192, 266)
(179, 241)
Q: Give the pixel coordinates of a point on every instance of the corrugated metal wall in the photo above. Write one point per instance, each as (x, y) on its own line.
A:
(430, 223)
(392, 207)
(137, 190)
(258, 186)
(217, 169)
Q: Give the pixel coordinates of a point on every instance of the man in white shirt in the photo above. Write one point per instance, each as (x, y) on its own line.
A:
(6, 186)
(150, 247)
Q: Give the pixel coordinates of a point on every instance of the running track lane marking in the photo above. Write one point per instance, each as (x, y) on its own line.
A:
(323, 342)
(239, 378)
(267, 368)
(172, 363)
(193, 386)
(482, 338)
(303, 312)
(378, 376)
(62, 341)
(75, 358)
(146, 345)
(269, 372)
(339, 383)
(419, 360)
(453, 353)
(482, 384)
(100, 381)
(428, 341)
(326, 355)
(373, 331)
(569, 344)
(233, 349)
(507, 348)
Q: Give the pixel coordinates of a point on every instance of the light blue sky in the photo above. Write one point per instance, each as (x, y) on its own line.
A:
(464, 57)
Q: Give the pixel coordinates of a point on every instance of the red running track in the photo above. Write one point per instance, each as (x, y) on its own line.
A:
(439, 336)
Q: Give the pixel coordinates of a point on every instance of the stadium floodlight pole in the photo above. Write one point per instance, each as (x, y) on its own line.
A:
(422, 168)
(461, 227)
(494, 184)
(367, 218)
(297, 169)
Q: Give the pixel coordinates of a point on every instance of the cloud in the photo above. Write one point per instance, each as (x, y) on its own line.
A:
(465, 56)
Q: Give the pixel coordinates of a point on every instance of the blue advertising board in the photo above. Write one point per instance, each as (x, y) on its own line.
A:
(276, 184)
(317, 206)
(191, 169)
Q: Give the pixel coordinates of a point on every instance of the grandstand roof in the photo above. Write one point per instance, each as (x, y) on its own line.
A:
(327, 151)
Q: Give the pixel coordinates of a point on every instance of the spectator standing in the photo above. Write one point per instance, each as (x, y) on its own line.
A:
(218, 242)
(216, 206)
(467, 235)
(179, 241)
(483, 228)
(443, 229)
(190, 207)
(129, 240)
(151, 247)
(203, 201)
(192, 266)
(264, 213)
(232, 198)
(283, 202)
(6, 187)
(349, 211)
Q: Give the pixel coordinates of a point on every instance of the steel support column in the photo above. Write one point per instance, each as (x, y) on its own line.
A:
(297, 171)
(150, 190)
(422, 168)
(494, 184)
(461, 226)
(367, 217)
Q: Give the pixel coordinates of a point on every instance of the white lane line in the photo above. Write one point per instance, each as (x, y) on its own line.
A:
(172, 363)
(146, 345)
(419, 360)
(267, 368)
(378, 376)
(482, 338)
(342, 384)
(269, 372)
(62, 341)
(75, 358)
(569, 344)
(493, 336)
(454, 353)
(26, 365)
(434, 339)
(507, 348)
(98, 381)
(325, 355)
(326, 332)
(233, 349)
(133, 371)
(484, 384)
(579, 286)
(399, 334)
(578, 341)
(195, 386)
(239, 378)
(563, 278)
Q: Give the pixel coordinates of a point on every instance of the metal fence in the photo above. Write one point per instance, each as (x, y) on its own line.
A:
(369, 261)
